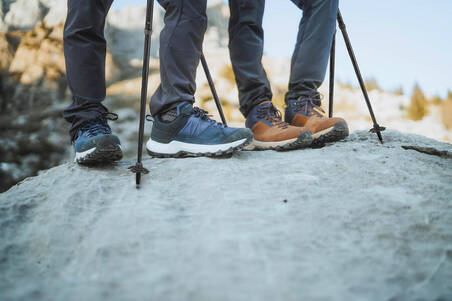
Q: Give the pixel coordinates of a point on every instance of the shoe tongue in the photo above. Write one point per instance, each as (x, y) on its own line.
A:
(315, 99)
(184, 107)
(272, 112)
(266, 104)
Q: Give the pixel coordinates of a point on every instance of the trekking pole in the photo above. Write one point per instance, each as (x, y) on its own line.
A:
(332, 67)
(138, 169)
(212, 88)
(376, 129)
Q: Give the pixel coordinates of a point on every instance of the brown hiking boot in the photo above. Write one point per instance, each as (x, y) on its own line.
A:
(270, 132)
(306, 112)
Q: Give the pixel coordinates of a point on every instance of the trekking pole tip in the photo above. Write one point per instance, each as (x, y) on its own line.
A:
(377, 130)
(138, 169)
(138, 180)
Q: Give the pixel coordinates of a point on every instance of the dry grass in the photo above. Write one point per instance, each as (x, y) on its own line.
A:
(418, 107)
(446, 113)
(372, 84)
(399, 91)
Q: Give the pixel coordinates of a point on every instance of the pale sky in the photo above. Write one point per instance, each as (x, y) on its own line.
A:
(397, 42)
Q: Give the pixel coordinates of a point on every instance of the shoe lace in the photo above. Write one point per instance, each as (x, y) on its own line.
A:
(310, 105)
(204, 115)
(99, 125)
(272, 115)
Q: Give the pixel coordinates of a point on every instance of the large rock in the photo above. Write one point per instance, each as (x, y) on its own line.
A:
(33, 93)
(3, 26)
(355, 220)
(6, 54)
(56, 12)
(24, 14)
(218, 20)
(125, 33)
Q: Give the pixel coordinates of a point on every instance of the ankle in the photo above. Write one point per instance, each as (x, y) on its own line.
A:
(168, 116)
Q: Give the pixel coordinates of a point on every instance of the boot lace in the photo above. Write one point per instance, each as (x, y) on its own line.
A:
(99, 125)
(204, 115)
(272, 115)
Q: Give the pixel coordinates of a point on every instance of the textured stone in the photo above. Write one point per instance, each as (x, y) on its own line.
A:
(355, 220)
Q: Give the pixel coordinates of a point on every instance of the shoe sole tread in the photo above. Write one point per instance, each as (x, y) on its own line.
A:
(338, 132)
(304, 140)
(102, 156)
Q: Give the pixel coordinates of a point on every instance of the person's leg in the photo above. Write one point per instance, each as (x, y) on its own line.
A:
(178, 128)
(85, 51)
(246, 46)
(308, 68)
(310, 57)
(180, 51)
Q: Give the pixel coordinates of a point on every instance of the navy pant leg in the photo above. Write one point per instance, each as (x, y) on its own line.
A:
(180, 51)
(85, 51)
(312, 50)
(246, 46)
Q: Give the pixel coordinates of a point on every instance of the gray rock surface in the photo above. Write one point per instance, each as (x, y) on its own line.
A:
(354, 220)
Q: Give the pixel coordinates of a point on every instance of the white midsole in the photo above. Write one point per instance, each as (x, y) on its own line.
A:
(263, 145)
(176, 146)
(82, 155)
(325, 131)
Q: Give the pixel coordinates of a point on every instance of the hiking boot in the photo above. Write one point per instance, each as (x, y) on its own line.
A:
(189, 132)
(95, 143)
(270, 132)
(306, 112)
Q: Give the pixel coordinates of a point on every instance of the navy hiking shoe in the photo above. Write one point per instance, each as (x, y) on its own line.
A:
(95, 143)
(191, 133)
(270, 132)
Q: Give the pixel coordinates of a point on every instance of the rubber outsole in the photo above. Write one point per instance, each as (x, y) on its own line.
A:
(303, 141)
(338, 132)
(183, 154)
(102, 155)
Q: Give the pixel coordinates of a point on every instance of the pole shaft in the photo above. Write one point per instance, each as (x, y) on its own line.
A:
(144, 81)
(332, 67)
(358, 72)
(212, 88)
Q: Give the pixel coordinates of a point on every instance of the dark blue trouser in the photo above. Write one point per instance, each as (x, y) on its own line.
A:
(309, 60)
(180, 49)
(85, 49)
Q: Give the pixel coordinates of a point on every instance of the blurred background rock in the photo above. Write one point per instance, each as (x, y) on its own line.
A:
(33, 89)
